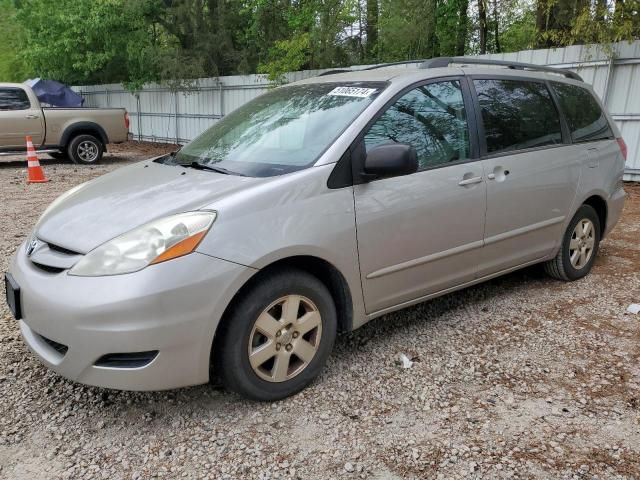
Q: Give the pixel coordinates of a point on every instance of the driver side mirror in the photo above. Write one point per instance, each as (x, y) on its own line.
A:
(391, 160)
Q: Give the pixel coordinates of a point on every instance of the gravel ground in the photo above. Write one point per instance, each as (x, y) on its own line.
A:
(520, 377)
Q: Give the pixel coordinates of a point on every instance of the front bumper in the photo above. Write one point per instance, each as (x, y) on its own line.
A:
(172, 307)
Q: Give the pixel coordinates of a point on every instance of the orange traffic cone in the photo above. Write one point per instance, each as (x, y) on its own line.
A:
(34, 170)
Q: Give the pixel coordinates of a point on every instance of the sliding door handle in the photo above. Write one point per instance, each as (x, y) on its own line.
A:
(498, 174)
(470, 181)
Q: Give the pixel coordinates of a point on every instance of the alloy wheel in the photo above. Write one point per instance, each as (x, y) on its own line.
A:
(582, 243)
(88, 151)
(285, 338)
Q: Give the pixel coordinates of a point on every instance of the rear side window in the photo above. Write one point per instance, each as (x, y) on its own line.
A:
(14, 99)
(586, 119)
(517, 115)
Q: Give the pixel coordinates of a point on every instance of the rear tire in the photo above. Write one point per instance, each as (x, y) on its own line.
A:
(277, 336)
(85, 149)
(579, 247)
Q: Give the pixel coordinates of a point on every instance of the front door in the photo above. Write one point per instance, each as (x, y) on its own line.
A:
(18, 119)
(421, 233)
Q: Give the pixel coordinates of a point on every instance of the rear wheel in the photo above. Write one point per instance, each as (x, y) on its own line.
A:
(85, 149)
(579, 246)
(277, 337)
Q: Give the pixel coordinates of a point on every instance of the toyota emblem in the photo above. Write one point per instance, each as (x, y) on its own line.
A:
(31, 246)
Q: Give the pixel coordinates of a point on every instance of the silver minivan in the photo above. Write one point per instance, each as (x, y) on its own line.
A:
(310, 211)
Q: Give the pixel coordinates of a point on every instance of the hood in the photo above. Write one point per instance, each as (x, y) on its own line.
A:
(129, 197)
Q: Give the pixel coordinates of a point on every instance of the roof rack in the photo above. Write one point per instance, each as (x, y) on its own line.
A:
(335, 72)
(391, 64)
(446, 61)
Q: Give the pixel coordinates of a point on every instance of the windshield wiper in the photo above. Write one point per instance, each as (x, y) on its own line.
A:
(204, 166)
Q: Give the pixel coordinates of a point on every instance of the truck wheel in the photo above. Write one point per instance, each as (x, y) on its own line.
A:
(85, 149)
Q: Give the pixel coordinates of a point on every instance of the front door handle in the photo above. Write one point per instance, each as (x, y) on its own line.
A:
(469, 181)
(31, 117)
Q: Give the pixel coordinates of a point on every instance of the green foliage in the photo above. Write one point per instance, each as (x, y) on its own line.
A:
(78, 41)
(315, 37)
(13, 65)
(519, 30)
(613, 23)
(287, 56)
(176, 41)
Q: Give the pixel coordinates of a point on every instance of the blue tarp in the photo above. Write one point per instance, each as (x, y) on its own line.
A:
(55, 93)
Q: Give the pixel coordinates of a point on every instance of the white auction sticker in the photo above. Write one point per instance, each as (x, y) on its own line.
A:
(352, 92)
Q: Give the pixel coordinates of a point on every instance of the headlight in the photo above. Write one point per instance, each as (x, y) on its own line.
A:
(155, 242)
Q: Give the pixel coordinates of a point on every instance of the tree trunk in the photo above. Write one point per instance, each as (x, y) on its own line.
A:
(496, 26)
(601, 10)
(482, 17)
(372, 28)
(431, 40)
(555, 20)
(463, 24)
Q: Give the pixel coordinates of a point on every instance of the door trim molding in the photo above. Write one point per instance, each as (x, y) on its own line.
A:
(522, 230)
(463, 248)
(426, 259)
(440, 293)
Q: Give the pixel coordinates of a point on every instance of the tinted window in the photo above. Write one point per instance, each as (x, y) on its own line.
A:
(14, 99)
(517, 115)
(432, 118)
(584, 116)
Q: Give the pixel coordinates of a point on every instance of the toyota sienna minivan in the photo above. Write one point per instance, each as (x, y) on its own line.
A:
(311, 210)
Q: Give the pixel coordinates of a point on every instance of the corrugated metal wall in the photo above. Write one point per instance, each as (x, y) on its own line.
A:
(614, 73)
(159, 114)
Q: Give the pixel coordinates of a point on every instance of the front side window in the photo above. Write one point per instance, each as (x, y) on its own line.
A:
(14, 99)
(586, 119)
(281, 131)
(517, 115)
(432, 118)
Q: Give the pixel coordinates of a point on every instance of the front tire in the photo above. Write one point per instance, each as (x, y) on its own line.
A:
(277, 336)
(85, 149)
(579, 247)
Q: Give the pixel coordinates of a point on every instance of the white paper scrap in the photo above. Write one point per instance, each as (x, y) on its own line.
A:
(406, 361)
(634, 308)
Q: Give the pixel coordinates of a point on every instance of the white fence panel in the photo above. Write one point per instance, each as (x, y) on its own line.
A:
(159, 114)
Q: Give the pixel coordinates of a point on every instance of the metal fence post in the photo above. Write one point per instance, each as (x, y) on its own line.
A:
(221, 99)
(139, 117)
(175, 101)
(607, 82)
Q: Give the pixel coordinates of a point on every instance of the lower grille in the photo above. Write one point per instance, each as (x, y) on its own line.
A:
(127, 360)
(47, 268)
(58, 347)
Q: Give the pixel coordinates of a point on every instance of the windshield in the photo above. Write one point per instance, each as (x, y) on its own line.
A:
(279, 132)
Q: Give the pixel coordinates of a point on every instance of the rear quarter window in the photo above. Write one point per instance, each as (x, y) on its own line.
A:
(586, 119)
(517, 115)
(14, 99)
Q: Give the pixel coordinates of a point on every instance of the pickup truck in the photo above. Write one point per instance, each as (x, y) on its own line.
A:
(81, 134)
